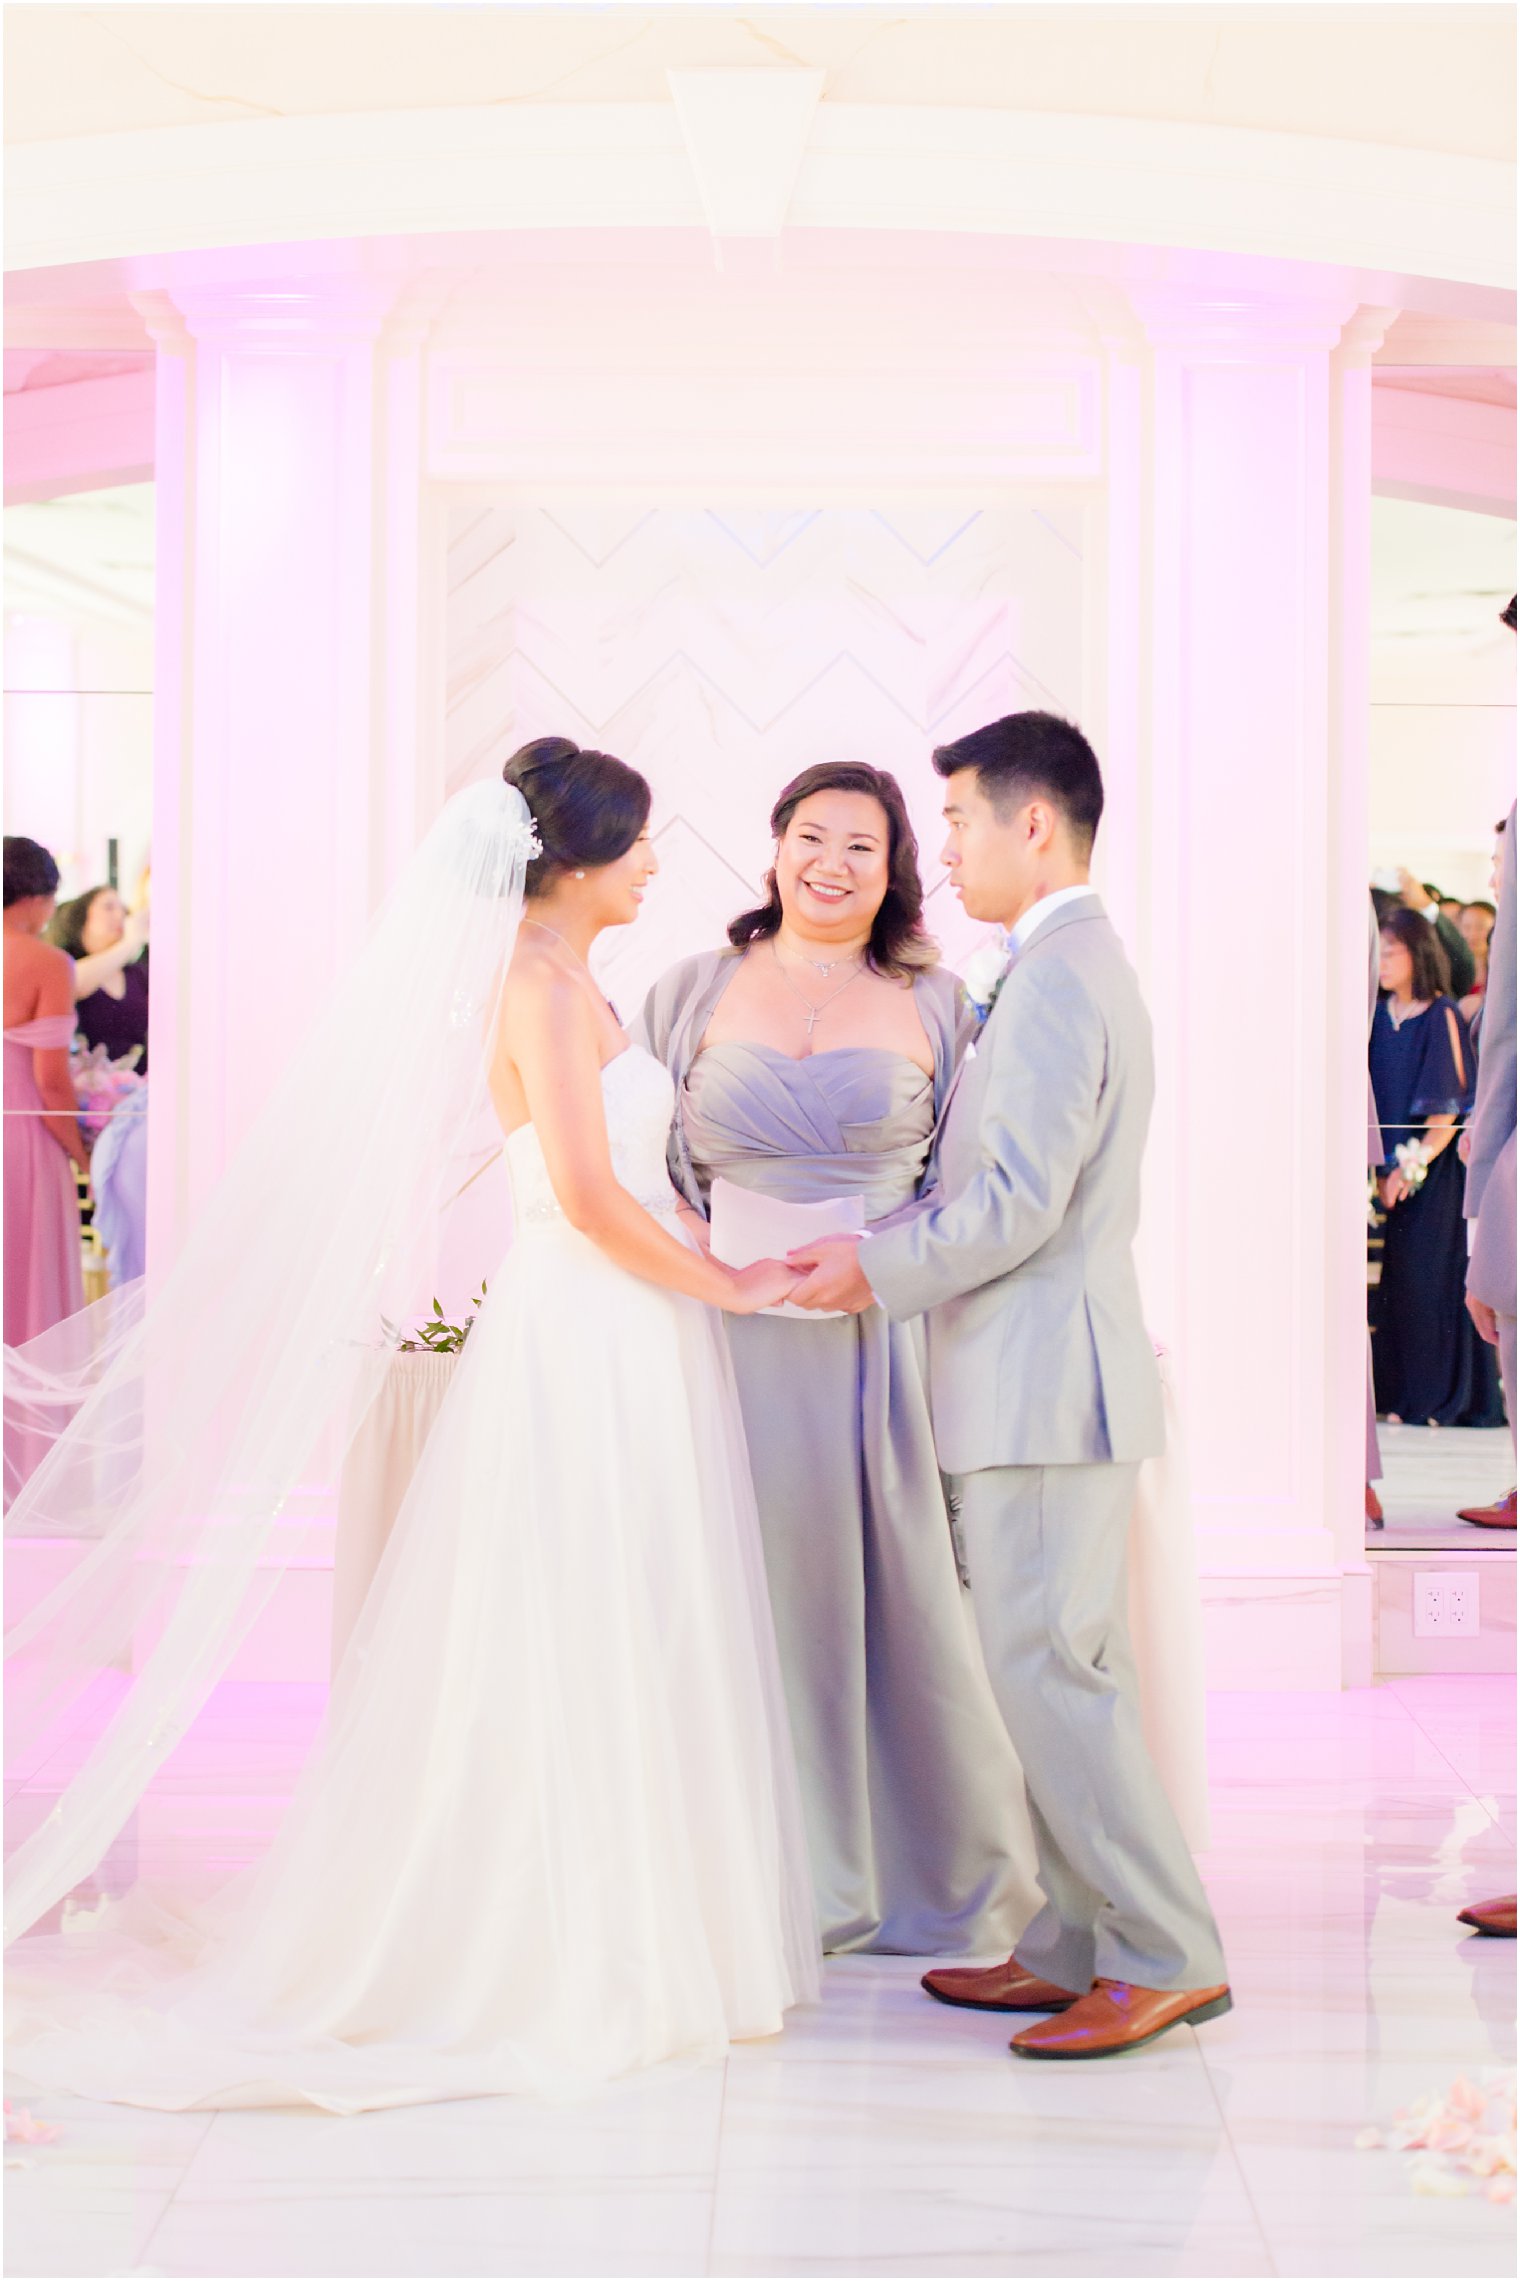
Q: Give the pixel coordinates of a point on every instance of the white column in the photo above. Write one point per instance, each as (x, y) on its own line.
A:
(294, 761)
(1348, 842)
(1227, 531)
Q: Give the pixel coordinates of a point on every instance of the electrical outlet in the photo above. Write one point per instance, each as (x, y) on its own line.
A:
(1445, 1604)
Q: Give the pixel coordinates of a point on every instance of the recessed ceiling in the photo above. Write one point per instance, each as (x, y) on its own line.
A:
(1470, 384)
(86, 557)
(27, 369)
(1440, 575)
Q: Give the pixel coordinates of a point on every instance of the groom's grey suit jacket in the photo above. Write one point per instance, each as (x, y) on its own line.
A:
(1020, 1255)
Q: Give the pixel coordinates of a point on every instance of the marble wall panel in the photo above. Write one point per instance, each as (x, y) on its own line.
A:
(722, 649)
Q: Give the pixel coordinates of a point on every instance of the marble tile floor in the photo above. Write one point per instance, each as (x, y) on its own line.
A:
(882, 2134)
(1428, 1471)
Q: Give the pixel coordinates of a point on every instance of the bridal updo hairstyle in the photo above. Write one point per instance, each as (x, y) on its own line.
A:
(898, 946)
(588, 808)
(1033, 756)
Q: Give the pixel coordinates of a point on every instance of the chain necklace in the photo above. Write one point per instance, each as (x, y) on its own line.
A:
(822, 1004)
(825, 966)
(580, 962)
(559, 938)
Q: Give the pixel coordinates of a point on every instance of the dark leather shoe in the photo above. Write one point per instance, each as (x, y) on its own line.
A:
(996, 1988)
(1117, 2017)
(1496, 1918)
(1499, 1516)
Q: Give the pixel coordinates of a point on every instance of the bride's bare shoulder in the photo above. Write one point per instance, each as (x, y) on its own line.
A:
(533, 970)
(539, 989)
(533, 958)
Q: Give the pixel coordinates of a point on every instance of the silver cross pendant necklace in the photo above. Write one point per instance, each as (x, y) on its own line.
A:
(822, 1005)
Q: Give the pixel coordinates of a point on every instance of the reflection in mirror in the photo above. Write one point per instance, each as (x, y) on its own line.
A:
(1441, 782)
(78, 801)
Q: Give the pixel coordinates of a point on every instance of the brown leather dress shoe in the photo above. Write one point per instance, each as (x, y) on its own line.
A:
(1496, 1918)
(996, 1988)
(1499, 1516)
(1118, 2017)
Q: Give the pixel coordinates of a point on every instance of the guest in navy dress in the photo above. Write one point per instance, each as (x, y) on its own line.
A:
(1424, 1365)
(111, 971)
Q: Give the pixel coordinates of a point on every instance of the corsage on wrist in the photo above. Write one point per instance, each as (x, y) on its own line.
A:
(1413, 1159)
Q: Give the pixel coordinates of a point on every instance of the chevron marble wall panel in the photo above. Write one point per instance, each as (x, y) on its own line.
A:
(721, 651)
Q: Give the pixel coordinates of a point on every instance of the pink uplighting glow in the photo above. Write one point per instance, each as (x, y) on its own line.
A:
(731, 395)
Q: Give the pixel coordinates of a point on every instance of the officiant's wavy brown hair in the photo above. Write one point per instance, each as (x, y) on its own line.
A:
(898, 945)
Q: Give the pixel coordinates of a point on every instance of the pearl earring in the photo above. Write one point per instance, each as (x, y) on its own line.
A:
(580, 875)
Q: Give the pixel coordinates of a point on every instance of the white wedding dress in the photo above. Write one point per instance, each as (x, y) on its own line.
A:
(551, 1833)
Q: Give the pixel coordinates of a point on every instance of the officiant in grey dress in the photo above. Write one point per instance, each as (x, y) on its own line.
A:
(811, 1059)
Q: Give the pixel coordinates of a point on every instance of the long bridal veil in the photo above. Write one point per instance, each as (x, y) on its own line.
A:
(176, 1434)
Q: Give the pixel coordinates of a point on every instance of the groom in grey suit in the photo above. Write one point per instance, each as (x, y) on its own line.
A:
(1046, 1397)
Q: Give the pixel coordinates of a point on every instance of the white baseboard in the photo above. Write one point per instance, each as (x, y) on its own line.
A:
(1491, 1648)
(1297, 1633)
(1274, 1631)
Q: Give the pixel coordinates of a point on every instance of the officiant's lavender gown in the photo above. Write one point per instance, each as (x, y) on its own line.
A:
(914, 1802)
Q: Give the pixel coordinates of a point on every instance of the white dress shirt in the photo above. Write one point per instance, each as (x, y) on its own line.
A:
(1036, 915)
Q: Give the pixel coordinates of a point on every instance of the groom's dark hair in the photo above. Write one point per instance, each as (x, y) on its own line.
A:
(1033, 756)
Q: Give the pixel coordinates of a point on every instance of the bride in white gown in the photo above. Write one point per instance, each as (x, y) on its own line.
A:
(550, 1832)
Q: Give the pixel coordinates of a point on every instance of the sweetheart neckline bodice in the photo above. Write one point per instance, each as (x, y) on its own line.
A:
(528, 1125)
(801, 1060)
(639, 1110)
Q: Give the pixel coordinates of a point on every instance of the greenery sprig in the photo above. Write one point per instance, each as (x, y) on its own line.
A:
(436, 1334)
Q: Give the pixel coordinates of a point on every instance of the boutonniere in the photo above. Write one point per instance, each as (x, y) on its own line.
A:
(986, 972)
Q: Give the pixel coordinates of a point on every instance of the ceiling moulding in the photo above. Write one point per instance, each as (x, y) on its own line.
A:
(85, 435)
(1421, 340)
(745, 133)
(1443, 452)
(105, 328)
(1406, 214)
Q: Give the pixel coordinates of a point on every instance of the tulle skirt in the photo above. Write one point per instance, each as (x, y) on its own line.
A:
(550, 1833)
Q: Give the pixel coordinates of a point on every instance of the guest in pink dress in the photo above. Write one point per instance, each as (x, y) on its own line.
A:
(43, 1277)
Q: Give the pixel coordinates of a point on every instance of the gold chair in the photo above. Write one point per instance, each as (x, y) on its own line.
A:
(97, 1273)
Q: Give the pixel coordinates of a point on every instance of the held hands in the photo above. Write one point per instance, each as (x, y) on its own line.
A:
(765, 1284)
(1486, 1320)
(823, 1275)
(832, 1276)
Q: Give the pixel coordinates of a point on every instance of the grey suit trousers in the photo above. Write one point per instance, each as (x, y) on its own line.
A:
(1045, 1550)
(1507, 1369)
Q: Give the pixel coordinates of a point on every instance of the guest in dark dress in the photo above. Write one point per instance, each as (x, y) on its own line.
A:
(1475, 924)
(106, 942)
(1425, 1367)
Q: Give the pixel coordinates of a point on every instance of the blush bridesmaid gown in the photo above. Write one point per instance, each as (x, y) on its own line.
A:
(44, 1276)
